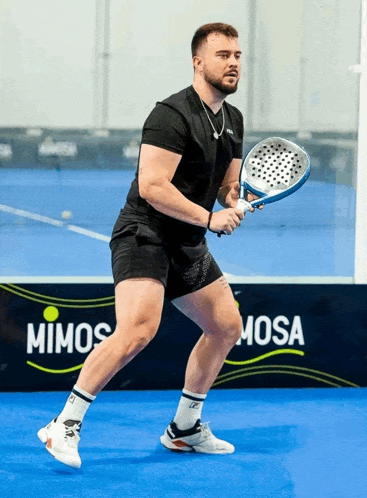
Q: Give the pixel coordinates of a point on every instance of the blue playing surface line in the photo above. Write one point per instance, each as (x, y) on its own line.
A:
(310, 233)
(290, 443)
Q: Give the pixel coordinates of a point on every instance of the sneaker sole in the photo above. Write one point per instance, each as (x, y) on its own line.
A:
(172, 447)
(42, 435)
(167, 443)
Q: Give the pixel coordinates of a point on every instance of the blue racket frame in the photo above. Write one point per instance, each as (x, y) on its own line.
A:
(265, 198)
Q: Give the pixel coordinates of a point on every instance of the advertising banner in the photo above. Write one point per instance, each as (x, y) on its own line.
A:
(294, 335)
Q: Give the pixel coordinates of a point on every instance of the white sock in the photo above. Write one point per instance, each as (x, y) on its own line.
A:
(76, 406)
(189, 409)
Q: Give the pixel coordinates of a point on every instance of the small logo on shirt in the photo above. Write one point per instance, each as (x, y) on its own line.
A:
(229, 131)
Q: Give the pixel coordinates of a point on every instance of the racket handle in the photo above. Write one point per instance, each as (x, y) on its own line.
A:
(243, 205)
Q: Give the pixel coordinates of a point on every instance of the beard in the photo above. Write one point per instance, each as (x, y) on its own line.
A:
(219, 84)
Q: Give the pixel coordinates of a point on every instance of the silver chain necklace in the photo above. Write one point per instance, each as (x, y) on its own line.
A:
(216, 135)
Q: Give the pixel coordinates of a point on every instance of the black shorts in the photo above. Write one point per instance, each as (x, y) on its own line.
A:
(139, 250)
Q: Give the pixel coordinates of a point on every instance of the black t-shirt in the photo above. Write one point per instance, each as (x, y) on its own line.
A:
(181, 125)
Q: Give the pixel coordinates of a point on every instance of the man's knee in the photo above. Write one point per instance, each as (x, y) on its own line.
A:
(227, 328)
(234, 328)
(138, 332)
(146, 330)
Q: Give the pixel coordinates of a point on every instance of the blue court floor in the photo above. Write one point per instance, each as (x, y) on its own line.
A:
(310, 233)
(308, 443)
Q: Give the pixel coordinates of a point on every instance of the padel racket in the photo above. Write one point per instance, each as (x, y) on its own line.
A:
(272, 170)
(275, 168)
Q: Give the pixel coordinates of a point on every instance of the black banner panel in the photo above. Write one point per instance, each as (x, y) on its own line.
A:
(294, 335)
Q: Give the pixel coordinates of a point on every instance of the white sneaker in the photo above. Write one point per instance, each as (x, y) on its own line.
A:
(199, 439)
(61, 439)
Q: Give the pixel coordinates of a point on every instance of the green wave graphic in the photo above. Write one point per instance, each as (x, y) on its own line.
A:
(52, 371)
(266, 355)
(286, 369)
(278, 372)
(53, 302)
(44, 296)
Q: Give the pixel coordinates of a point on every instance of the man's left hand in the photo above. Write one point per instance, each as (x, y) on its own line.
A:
(234, 194)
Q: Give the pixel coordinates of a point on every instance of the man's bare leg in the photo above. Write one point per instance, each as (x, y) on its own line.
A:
(214, 309)
(139, 303)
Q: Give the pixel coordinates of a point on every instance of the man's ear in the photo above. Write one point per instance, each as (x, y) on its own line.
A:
(197, 62)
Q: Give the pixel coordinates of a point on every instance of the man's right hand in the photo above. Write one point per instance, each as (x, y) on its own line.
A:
(226, 220)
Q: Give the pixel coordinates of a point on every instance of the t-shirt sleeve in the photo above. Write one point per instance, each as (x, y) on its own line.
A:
(238, 151)
(165, 127)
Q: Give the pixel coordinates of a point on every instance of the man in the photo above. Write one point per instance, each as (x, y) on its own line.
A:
(190, 155)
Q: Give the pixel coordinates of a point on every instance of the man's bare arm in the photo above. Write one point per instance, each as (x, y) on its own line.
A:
(156, 169)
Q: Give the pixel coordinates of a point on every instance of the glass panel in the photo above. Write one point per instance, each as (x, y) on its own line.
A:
(61, 188)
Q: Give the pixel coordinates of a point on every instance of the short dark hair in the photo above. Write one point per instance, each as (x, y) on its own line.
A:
(202, 33)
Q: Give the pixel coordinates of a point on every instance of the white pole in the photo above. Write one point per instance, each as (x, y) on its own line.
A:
(96, 70)
(252, 27)
(101, 65)
(106, 65)
(360, 271)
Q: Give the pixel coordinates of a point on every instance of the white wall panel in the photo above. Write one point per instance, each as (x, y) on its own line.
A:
(46, 61)
(331, 45)
(303, 49)
(151, 52)
(277, 64)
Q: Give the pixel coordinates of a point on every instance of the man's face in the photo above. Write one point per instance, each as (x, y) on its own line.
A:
(221, 62)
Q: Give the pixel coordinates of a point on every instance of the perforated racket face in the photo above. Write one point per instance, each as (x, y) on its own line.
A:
(274, 164)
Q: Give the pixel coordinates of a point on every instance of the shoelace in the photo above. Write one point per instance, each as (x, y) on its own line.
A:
(206, 431)
(72, 437)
